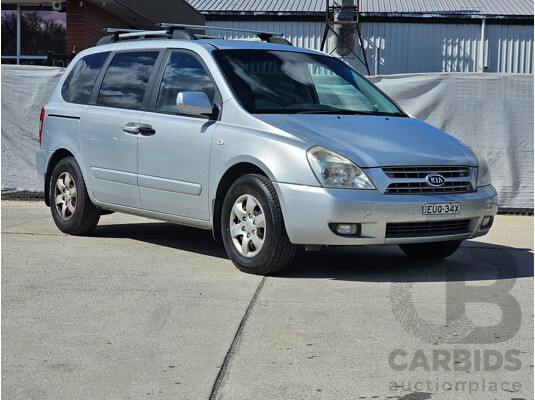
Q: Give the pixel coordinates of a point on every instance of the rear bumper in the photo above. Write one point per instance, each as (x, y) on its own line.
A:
(308, 211)
(41, 160)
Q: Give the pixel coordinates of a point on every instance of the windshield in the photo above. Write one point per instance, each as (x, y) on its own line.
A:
(275, 82)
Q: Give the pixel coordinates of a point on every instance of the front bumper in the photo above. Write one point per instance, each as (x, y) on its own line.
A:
(308, 211)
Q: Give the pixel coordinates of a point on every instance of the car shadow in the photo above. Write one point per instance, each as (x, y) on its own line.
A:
(473, 261)
(165, 234)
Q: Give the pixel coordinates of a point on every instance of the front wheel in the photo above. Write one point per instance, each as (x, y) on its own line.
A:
(71, 206)
(431, 251)
(253, 227)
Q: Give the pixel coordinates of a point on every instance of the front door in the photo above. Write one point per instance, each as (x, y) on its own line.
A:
(173, 161)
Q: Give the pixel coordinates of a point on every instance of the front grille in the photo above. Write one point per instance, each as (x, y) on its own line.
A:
(422, 187)
(422, 172)
(433, 228)
(411, 180)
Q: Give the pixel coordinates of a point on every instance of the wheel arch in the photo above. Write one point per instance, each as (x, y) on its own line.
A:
(54, 159)
(226, 180)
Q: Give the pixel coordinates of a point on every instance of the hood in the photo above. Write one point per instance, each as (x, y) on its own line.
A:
(376, 141)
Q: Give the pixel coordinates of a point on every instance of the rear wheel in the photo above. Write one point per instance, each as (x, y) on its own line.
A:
(71, 207)
(431, 251)
(253, 227)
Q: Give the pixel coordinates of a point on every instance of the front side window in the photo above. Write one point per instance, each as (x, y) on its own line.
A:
(126, 80)
(271, 81)
(183, 73)
(77, 87)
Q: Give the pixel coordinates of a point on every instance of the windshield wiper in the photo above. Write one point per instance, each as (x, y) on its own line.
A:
(381, 113)
(333, 111)
(350, 112)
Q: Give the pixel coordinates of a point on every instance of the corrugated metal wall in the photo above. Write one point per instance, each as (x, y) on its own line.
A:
(510, 48)
(405, 47)
(425, 47)
(300, 33)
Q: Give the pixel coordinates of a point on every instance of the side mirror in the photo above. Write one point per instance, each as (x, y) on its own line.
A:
(194, 103)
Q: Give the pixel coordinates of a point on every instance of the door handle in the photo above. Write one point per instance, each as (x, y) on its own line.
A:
(146, 130)
(131, 128)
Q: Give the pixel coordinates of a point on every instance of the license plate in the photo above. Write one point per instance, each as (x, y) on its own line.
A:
(441, 208)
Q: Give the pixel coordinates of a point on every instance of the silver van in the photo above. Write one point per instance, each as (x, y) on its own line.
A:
(270, 146)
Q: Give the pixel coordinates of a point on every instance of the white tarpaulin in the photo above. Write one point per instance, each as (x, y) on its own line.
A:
(492, 113)
(25, 89)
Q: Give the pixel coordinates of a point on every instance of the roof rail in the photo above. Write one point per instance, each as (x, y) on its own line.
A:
(209, 37)
(118, 34)
(181, 31)
(263, 35)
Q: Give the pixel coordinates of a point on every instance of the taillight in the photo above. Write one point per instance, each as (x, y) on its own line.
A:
(41, 125)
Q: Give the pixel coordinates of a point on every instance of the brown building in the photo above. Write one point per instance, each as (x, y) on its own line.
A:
(32, 28)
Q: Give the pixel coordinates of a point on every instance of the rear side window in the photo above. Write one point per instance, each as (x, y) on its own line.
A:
(183, 73)
(77, 87)
(126, 79)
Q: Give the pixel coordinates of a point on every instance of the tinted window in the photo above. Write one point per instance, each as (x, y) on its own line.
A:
(183, 73)
(269, 81)
(77, 87)
(126, 80)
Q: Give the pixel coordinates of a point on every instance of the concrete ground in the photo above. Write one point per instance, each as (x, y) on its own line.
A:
(145, 309)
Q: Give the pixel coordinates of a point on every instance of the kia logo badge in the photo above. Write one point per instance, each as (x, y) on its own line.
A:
(435, 180)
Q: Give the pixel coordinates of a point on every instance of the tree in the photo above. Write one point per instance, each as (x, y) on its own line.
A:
(38, 34)
(9, 33)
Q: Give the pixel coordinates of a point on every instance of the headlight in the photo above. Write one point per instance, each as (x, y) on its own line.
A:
(336, 171)
(483, 171)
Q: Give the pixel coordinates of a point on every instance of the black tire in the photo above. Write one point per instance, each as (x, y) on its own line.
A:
(74, 213)
(276, 251)
(431, 251)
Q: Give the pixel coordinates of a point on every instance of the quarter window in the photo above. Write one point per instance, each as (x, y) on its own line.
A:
(77, 87)
(183, 73)
(126, 80)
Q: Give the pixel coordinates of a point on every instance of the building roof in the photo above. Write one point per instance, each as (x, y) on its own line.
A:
(478, 7)
(258, 5)
(485, 7)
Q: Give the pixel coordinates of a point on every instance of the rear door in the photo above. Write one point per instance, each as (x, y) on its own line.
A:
(109, 126)
(173, 162)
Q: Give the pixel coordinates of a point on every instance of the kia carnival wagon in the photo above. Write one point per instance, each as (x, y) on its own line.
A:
(270, 146)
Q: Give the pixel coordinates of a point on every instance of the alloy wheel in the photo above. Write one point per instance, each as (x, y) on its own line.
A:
(65, 196)
(247, 225)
